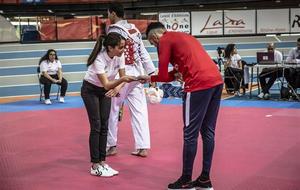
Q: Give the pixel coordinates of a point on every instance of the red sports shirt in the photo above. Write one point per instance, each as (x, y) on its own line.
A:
(186, 53)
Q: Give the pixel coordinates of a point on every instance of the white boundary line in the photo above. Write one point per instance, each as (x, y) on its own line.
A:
(32, 84)
(35, 95)
(11, 67)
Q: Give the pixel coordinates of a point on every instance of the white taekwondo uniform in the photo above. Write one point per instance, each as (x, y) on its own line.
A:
(137, 61)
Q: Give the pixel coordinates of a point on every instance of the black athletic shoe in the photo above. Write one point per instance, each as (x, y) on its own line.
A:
(180, 184)
(201, 184)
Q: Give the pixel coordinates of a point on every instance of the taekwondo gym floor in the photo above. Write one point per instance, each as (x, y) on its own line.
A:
(46, 147)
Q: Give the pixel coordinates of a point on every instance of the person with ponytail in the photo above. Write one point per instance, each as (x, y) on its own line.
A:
(99, 85)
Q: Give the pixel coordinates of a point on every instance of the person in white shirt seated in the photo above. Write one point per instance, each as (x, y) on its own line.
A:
(294, 54)
(51, 70)
(270, 73)
(233, 68)
(292, 74)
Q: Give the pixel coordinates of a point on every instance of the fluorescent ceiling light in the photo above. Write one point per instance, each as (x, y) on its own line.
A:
(271, 35)
(150, 13)
(25, 17)
(237, 8)
(295, 34)
(274, 36)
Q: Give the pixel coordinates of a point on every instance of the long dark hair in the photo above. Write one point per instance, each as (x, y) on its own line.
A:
(229, 48)
(112, 39)
(46, 56)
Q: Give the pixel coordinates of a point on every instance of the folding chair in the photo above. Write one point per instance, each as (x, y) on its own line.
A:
(296, 84)
(295, 92)
(230, 78)
(42, 85)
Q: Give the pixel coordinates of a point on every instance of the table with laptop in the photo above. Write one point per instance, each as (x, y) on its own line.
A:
(266, 60)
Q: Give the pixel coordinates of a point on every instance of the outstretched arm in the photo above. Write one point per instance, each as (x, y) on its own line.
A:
(109, 84)
(164, 55)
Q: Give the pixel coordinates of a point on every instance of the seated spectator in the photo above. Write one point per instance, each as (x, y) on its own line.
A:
(294, 54)
(270, 73)
(292, 74)
(233, 67)
(51, 70)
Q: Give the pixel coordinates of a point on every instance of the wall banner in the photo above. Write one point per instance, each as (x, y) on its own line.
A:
(177, 21)
(295, 20)
(273, 21)
(239, 22)
(207, 23)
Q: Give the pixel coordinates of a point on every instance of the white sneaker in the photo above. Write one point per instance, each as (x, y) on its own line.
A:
(61, 99)
(48, 102)
(115, 172)
(237, 93)
(261, 95)
(101, 171)
(267, 96)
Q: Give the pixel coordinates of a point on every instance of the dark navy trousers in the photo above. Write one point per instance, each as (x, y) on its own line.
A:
(200, 112)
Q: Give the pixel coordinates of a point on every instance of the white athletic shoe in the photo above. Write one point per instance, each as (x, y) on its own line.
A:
(237, 93)
(261, 95)
(61, 99)
(267, 96)
(48, 102)
(101, 171)
(114, 172)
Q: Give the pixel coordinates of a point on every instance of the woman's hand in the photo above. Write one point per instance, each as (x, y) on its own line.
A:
(55, 81)
(113, 92)
(144, 78)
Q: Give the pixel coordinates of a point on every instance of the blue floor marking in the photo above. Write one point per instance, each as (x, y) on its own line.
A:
(35, 104)
(76, 102)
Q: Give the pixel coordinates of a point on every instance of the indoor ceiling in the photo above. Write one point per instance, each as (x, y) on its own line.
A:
(135, 7)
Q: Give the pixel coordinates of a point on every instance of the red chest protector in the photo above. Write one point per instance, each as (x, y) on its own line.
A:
(129, 51)
(129, 43)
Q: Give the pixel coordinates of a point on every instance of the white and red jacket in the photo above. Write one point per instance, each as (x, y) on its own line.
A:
(137, 59)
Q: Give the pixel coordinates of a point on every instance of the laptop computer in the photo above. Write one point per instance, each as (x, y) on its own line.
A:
(265, 57)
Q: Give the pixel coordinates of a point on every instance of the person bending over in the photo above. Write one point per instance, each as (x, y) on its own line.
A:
(96, 91)
(201, 100)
